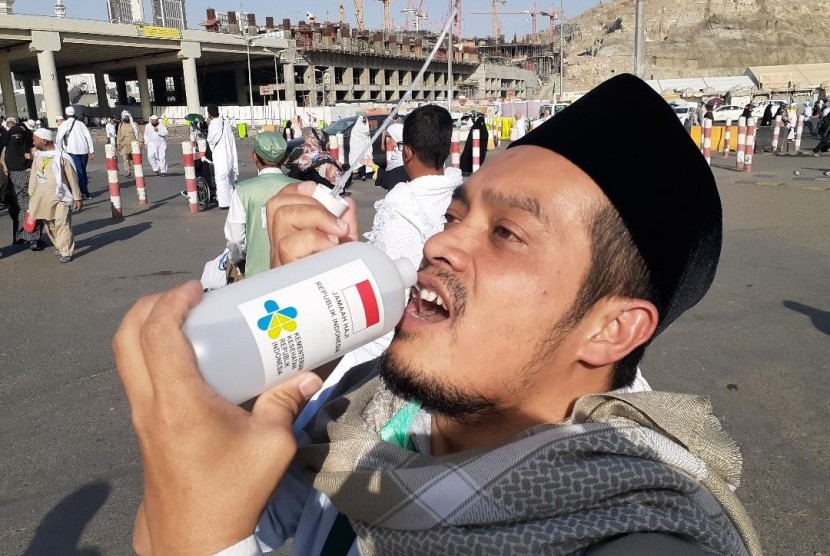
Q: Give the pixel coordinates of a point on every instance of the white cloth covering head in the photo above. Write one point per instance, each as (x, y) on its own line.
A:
(154, 117)
(11, 120)
(30, 124)
(69, 111)
(395, 131)
(45, 134)
(125, 114)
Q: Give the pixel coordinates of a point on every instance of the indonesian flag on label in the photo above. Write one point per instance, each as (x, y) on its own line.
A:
(363, 305)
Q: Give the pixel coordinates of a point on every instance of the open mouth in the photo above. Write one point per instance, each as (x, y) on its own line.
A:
(427, 304)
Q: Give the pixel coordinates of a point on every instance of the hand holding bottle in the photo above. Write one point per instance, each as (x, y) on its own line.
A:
(299, 226)
(193, 443)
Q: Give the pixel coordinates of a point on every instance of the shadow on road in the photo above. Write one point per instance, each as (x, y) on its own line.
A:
(60, 531)
(819, 318)
(88, 245)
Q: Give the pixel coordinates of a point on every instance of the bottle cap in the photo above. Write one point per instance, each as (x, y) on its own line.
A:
(409, 275)
(335, 205)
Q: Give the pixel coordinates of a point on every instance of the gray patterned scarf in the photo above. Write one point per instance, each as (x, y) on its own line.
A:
(623, 463)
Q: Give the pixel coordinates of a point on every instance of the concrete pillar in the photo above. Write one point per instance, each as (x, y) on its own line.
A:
(290, 86)
(101, 90)
(31, 103)
(310, 80)
(51, 87)
(121, 91)
(7, 88)
(189, 52)
(63, 89)
(191, 86)
(144, 91)
(241, 78)
(159, 91)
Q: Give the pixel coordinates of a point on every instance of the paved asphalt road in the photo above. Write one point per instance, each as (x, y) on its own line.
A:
(70, 477)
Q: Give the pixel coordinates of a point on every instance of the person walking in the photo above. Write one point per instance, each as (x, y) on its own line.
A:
(225, 159)
(75, 140)
(246, 230)
(55, 192)
(360, 162)
(127, 133)
(112, 131)
(19, 156)
(155, 139)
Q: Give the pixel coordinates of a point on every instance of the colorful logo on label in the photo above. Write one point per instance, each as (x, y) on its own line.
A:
(277, 319)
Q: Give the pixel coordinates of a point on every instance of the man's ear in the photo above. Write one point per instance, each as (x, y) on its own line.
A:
(407, 153)
(614, 327)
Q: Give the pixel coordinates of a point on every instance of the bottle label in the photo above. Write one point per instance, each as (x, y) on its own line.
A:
(313, 321)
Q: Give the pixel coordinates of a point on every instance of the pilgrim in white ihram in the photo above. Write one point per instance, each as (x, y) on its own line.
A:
(155, 138)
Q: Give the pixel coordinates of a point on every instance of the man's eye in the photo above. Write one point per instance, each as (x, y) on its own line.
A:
(451, 218)
(503, 233)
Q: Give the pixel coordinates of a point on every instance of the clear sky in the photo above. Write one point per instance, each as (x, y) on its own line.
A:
(479, 25)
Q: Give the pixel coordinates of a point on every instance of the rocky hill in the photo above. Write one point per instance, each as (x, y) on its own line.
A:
(686, 38)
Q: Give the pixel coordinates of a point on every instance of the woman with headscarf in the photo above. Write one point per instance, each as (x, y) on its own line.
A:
(358, 142)
(312, 161)
(466, 163)
(766, 119)
(297, 126)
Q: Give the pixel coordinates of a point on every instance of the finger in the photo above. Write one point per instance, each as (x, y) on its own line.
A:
(129, 358)
(171, 362)
(290, 219)
(350, 218)
(277, 408)
(301, 244)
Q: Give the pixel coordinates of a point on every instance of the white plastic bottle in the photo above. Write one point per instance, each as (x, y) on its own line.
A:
(252, 335)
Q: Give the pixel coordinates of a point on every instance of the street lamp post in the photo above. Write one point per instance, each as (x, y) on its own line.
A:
(250, 80)
(276, 81)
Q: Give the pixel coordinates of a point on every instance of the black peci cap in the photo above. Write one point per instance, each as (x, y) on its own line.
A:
(631, 143)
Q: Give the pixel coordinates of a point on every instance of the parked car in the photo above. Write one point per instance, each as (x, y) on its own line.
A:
(345, 126)
(554, 108)
(685, 112)
(727, 112)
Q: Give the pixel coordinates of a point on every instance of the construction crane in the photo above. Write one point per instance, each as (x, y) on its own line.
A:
(532, 13)
(495, 13)
(387, 16)
(552, 16)
(417, 13)
(342, 13)
(358, 14)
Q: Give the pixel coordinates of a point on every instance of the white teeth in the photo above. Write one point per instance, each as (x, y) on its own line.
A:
(428, 295)
(432, 297)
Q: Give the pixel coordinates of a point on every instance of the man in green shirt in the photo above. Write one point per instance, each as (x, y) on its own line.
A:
(246, 228)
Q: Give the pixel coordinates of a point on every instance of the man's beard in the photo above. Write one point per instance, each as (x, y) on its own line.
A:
(435, 396)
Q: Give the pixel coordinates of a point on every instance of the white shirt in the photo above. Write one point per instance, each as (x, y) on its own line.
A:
(411, 213)
(79, 141)
(111, 133)
(153, 136)
(236, 222)
(223, 148)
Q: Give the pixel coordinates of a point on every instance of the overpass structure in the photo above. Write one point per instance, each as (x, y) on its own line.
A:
(202, 67)
(307, 65)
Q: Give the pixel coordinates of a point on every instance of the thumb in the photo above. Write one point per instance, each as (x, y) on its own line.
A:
(279, 406)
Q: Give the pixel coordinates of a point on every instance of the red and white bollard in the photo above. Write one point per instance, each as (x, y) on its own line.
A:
(750, 144)
(455, 154)
(114, 186)
(741, 152)
(776, 133)
(334, 148)
(341, 154)
(390, 148)
(727, 137)
(190, 177)
(707, 140)
(138, 167)
(476, 150)
(799, 128)
(202, 144)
